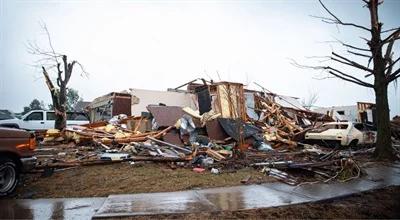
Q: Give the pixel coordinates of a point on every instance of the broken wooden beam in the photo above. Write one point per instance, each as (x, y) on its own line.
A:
(169, 144)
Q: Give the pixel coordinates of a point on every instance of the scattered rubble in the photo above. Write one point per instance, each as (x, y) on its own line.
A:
(231, 128)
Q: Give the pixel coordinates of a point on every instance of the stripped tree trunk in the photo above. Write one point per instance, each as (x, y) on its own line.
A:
(58, 95)
(383, 148)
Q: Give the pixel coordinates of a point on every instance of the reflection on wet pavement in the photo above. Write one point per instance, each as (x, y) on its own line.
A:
(79, 208)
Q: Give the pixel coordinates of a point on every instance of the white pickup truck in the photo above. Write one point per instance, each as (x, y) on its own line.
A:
(341, 133)
(42, 120)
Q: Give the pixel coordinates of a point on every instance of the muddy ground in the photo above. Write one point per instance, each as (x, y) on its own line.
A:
(377, 204)
(103, 180)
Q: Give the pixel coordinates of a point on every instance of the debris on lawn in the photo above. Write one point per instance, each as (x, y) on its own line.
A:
(395, 127)
(229, 127)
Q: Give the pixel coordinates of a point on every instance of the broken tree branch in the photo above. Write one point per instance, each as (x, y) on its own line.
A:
(359, 54)
(348, 77)
(393, 36)
(391, 29)
(353, 47)
(350, 62)
(336, 73)
(336, 20)
(393, 76)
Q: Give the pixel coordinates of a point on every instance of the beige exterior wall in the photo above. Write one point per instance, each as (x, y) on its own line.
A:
(141, 98)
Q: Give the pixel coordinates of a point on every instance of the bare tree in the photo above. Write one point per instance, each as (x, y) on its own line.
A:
(53, 63)
(310, 100)
(380, 61)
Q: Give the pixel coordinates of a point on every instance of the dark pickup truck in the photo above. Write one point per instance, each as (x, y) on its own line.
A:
(16, 156)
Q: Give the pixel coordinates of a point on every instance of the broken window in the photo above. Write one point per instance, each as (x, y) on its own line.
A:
(345, 126)
(340, 112)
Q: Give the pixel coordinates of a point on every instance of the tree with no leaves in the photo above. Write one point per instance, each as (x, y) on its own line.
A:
(378, 52)
(310, 101)
(57, 64)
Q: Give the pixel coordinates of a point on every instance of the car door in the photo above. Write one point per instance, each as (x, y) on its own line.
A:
(34, 121)
(50, 120)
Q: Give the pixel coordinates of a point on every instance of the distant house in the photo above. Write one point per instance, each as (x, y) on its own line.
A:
(362, 112)
(107, 106)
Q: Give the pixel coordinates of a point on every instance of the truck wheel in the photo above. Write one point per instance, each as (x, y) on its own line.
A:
(9, 175)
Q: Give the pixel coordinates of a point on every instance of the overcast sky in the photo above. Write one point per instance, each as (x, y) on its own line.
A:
(163, 44)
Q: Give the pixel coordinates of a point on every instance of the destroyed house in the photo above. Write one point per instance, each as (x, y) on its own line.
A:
(362, 112)
(208, 125)
(226, 98)
(105, 107)
(232, 100)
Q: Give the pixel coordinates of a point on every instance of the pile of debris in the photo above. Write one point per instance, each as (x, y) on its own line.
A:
(276, 124)
(395, 127)
(231, 128)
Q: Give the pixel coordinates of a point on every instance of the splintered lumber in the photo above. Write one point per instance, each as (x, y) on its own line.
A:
(283, 140)
(215, 155)
(133, 138)
(95, 124)
(169, 144)
(123, 140)
(282, 176)
(101, 144)
(163, 132)
(137, 125)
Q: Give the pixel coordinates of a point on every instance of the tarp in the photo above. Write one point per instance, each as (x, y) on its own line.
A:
(231, 127)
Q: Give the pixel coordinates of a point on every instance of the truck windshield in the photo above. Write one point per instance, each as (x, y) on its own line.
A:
(5, 114)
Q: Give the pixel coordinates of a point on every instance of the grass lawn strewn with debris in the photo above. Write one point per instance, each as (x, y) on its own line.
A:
(103, 180)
